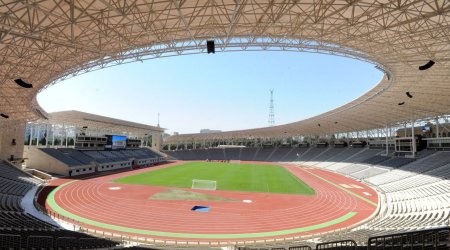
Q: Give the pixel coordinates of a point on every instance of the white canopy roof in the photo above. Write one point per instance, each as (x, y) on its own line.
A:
(47, 41)
(92, 121)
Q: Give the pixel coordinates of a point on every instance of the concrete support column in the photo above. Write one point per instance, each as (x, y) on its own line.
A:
(62, 141)
(46, 135)
(437, 127)
(405, 130)
(30, 143)
(53, 137)
(156, 140)
(12, 136)
(387, 143)
(413, 139)
(67, 139)
(38, 133)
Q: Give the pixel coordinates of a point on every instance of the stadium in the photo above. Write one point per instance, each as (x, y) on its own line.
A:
(371, 174)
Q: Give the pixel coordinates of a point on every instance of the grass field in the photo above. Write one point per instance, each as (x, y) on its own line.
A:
(229, 176)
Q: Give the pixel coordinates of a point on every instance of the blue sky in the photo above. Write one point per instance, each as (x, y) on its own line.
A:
(225, 91)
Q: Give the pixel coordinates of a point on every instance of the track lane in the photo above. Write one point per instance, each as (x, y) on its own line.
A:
(130, 207)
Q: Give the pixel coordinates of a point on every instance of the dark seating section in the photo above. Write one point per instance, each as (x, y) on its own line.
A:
(57, 239)
(201, 153)
(73, 157)
(214, 153)
(294, 154)
(20, 230)
(285, 154)
(264, 154)
(312, 153)
(280, 153)
(232, 153)
(396, 162)
(61, 156)
(100, 158)
(77, 155)
(377, 159)
(19, 220)
(247, 154)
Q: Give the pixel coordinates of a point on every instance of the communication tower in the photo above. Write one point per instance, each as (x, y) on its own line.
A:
(271, 110)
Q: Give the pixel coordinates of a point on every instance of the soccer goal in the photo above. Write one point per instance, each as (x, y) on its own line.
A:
(204, 184)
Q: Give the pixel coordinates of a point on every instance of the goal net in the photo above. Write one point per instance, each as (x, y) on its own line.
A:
(204, 184)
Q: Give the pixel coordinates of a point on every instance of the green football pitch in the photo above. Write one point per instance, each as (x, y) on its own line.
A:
(228, 176)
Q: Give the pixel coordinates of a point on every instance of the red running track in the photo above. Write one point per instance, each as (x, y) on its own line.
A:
(130, 206)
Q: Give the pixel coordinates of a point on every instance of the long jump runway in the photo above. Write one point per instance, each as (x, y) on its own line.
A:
(99, 203)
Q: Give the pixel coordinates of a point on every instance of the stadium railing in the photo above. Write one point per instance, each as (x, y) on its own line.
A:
(338, 245)
(432, 239)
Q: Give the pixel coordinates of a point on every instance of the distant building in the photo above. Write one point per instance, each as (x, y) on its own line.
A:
(209, 131)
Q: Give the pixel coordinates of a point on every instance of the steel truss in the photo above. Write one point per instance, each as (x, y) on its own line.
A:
(44, 42)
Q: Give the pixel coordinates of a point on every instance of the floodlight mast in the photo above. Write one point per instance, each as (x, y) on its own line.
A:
(271, 110)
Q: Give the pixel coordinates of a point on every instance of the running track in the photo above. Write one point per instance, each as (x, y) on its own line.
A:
(339, 202)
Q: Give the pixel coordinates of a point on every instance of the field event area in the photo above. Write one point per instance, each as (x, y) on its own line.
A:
(228, 176)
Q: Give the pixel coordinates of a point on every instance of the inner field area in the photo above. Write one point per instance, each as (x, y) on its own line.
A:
(102, 204)
(228, 176)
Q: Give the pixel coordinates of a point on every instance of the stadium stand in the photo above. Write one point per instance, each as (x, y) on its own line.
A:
(370, 171)
(214, 153)
(248, 154)
(65, 158)
(375, 159)
(294, 154)
(341, 156)
(232, 153)
(45, 42)
(279, 154)
(427, 163)
(324, 156)
(77, 155)
(432, 239)
(264, 154)
(20, 230)
(71, 162)
(312, 153)
(415, 192)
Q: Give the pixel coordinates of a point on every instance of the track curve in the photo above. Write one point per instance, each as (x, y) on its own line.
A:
(101, 204)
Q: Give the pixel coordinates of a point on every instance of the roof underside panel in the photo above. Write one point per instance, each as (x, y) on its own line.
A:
(47, 41)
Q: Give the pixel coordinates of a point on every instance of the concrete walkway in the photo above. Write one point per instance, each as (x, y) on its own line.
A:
(28, 205)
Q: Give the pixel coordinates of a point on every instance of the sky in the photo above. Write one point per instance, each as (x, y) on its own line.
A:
(222, 91)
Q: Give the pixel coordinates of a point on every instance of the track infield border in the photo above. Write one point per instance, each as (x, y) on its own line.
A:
(52, 204)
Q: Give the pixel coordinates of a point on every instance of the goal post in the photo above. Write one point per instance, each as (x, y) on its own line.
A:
(204, 184)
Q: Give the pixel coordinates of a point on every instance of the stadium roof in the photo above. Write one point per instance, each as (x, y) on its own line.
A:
(48, 41)
(82, 119)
